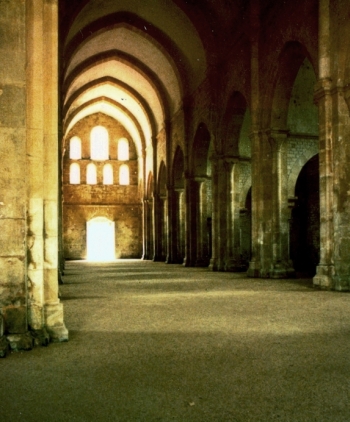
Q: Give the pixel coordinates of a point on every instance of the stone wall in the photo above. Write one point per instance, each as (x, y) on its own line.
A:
(13, 289)
(118, 203)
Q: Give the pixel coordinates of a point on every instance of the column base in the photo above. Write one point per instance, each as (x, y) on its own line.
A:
(19, 342)
(187, 262)
(35, 316)
(54, 323)
(324, 277)
(341, 283)
(235, 265)
(201, 262)
(282, 270)
(4, 347)
(253, 269)
(213, 266)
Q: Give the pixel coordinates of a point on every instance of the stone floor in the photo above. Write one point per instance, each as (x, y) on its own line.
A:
(157, 342)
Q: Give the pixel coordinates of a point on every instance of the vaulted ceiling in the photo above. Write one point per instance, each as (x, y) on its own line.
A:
(135, 60)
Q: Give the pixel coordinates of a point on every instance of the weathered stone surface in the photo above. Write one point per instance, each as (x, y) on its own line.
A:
(2, 326)
(14, 232)
(4, 347)
(118, 203)
(54, 323)
(40, 337)
(19, 342)
(15, 319)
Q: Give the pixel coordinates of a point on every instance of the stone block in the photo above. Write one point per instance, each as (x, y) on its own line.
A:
(2, 326)
(19, 342)
(12, 106)
(15, 319)
(13, 232)
(12, 152)
(12, 280)
(54, 323)
(40, 337)
(4, 347)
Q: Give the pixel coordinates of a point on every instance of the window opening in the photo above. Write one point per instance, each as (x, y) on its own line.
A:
(107, 174)
(100, 239)
(99, 149)
(91, 174)
(124, 176)
(75, 148)
(74, 174)
(123, 149)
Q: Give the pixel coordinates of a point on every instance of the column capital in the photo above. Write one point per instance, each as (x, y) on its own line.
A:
(277, 137)
(323, 87)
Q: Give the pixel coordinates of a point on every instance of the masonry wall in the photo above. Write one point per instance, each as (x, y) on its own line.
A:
(13, 299)
(119, 203)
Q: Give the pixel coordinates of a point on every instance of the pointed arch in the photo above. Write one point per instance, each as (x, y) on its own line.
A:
(200, 152)
(291, 58)
(178, 169)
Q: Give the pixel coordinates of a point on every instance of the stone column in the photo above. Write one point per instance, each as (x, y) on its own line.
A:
(13, 174)
(180, 225)
(172, 229)
(200, 206)
(280, 267)
(188, 247)
(157, 221)
(150, 229)
(145, 229)
(35, 164)
(341, 192)
(254, 269)
(215, 261)
(221, 209)
(164, 228)
(233, 254)
(325, 269)
(53, 308)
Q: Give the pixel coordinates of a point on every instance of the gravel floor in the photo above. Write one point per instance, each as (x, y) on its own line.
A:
(157, 342)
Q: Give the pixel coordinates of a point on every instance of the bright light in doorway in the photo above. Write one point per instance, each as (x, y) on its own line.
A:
(100, 237)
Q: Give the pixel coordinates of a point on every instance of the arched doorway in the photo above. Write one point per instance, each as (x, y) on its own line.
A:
(100, 239)
(305, 222)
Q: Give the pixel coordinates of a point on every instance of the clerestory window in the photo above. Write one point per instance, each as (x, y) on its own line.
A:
(124, 175)
(107, 174)
(75, 148)
(91, 174)
(123, 149)
(99, 143)
(74, 174)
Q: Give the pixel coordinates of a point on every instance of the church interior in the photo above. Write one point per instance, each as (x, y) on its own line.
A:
(210, 134)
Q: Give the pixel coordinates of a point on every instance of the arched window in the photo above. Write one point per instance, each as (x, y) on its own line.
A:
(124, 176)
(123, 149)
(75, 148)
(91, 174)
(107, 174)
(74, 174)
(99, 149)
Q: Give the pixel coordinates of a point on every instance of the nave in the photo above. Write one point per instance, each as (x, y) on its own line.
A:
(157, 342)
